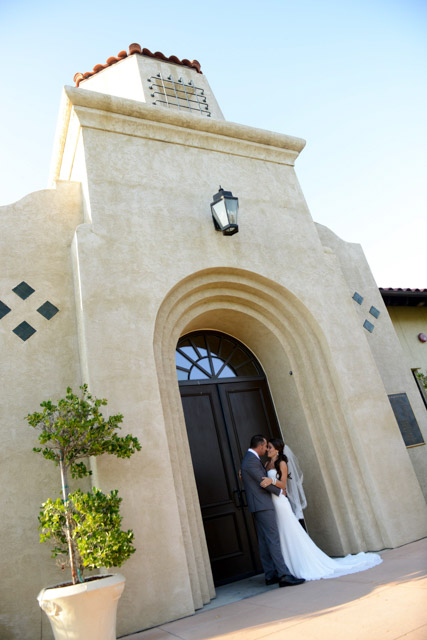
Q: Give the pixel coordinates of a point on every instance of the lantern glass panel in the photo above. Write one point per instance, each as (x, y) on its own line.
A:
(220, 213)
(232, 209)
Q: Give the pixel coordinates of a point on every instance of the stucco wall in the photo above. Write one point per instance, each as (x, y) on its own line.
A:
(35, 238)
(408, 322)
(394, 362)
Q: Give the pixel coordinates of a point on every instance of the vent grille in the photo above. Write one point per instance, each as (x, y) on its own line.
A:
(177, 94)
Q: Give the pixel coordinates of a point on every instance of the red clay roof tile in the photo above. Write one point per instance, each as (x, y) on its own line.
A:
(400, 290)
(136, 48)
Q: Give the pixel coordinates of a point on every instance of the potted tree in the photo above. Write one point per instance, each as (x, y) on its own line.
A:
(84, 527)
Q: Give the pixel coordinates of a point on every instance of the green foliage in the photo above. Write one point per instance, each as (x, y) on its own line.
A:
(75, 428)
(85, 527)
(95, 529)
(422, 377)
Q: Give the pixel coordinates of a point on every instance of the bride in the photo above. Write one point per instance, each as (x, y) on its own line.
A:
(303, 557)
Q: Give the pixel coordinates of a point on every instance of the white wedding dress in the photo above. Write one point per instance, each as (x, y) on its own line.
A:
(303, 558)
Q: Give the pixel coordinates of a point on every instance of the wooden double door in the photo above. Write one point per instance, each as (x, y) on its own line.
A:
(221, 417)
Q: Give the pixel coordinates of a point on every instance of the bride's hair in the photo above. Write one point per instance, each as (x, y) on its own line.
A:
(279, 445)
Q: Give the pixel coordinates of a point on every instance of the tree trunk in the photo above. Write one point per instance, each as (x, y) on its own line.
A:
(71, 546)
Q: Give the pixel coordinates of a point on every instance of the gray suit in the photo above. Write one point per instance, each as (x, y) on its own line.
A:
(261, 505)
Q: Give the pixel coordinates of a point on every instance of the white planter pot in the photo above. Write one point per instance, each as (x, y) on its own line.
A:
(84, 611)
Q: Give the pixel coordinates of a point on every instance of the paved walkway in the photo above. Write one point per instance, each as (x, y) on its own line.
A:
(388, 602)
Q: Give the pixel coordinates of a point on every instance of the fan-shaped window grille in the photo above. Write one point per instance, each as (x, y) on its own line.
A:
(213, 356)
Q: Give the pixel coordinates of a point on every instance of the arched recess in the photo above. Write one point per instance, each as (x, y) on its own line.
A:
(282, 333)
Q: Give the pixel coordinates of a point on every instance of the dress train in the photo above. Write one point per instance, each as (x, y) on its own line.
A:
(303, 557)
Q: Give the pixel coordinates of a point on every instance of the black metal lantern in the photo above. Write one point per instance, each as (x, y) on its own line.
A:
(224, 212)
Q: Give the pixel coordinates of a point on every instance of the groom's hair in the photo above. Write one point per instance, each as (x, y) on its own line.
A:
(256, 440)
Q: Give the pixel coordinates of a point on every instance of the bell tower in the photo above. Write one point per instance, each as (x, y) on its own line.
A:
(166, 83)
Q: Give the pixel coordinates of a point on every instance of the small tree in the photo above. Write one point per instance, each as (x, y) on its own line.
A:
(87, 525)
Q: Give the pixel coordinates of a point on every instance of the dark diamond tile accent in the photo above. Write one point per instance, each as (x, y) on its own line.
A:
(23, 290)
(374, 312)
(48, 310)
(24, 330)
(368, 326)
(4, 309)
(357, 297)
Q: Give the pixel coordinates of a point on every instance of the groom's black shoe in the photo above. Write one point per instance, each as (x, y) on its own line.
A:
(290, 581)
(273, 580)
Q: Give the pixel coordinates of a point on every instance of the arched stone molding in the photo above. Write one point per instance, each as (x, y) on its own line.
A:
(279, 329)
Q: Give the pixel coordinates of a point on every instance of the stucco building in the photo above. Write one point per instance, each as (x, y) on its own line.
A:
(407, 309)
(280, 328)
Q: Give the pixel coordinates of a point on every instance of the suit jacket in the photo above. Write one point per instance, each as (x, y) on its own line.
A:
(253, 472)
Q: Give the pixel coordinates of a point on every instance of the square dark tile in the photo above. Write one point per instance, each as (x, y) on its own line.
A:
(24, 330)
(357, 297)
(48, 310)
(4, 309)
(368, 326)
(23, 290)
(374, 312)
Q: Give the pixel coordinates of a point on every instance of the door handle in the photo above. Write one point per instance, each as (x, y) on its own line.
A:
(237, 498)
(243, 498)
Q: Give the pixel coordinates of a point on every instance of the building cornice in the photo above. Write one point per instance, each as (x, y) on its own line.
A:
(121, 115)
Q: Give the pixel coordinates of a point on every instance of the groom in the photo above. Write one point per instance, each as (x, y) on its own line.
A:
(261, 505)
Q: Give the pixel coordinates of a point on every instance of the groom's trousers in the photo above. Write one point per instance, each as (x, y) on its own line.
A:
(269, 544)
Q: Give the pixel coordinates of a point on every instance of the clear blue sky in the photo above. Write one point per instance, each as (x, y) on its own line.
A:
(347, 76)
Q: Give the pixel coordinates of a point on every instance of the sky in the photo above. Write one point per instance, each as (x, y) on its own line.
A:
(350, 77)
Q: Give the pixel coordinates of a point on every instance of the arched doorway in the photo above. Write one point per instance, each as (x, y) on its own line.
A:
(226, 400)
(318, 413)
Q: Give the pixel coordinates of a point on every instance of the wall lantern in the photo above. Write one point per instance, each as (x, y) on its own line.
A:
(224, 212)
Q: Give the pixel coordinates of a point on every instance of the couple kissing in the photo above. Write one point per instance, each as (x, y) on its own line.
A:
(288, 555)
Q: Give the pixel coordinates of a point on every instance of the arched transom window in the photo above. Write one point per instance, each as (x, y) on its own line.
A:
(209, 355)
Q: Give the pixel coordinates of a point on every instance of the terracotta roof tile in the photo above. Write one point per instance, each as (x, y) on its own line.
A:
(399, 290)
(399, 297)
(136, 48)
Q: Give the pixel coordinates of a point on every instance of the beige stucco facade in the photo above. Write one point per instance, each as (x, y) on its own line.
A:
(409, 323)
(393, 344)
(124, 246)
